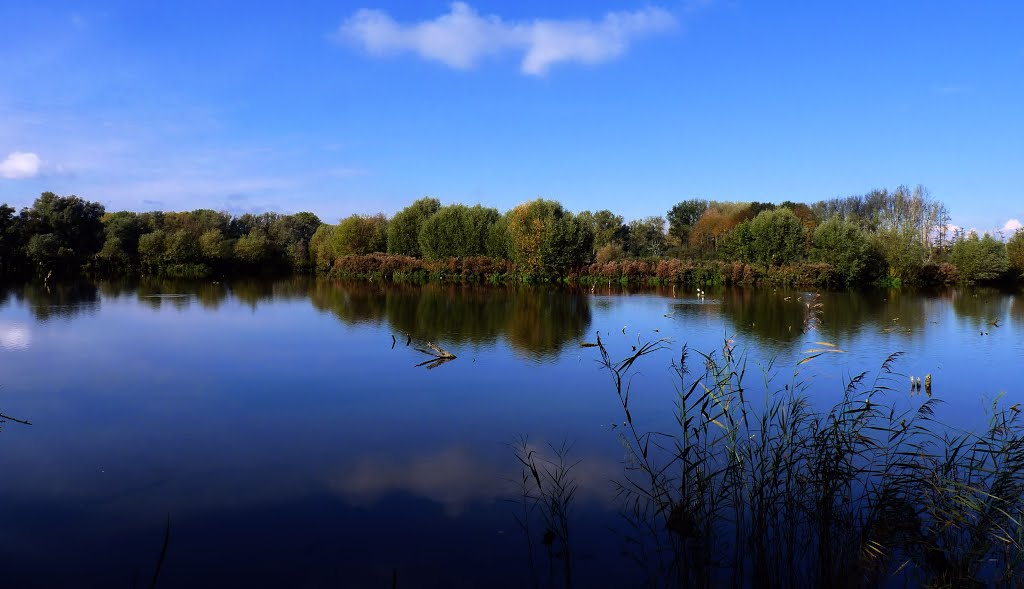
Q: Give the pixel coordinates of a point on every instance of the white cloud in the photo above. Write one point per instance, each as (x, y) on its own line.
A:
(1011, 226)
(19, 165)
(462, 37)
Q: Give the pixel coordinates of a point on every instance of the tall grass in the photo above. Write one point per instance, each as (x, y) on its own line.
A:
(547, 490)
(755, 488)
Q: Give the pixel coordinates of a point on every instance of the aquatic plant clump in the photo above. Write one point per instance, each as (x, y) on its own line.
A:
(755, 488)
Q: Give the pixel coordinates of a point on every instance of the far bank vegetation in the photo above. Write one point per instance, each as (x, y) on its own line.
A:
(896, 237)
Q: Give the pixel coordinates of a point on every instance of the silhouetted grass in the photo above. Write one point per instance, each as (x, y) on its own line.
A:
(755, 488)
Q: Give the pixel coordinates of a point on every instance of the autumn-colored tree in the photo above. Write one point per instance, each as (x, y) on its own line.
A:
(712, 226)
(545, 240)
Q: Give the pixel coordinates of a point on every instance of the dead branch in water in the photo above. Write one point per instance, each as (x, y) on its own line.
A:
(437, 352)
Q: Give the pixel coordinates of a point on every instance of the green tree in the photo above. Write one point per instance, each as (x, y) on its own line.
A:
(497, 239)
(360, 235)
(457, 231)
(842, 245)
(1015, 252)
(213, 247)
(545, 240)
(647, 237)
(12, 240)
(981, 259)
(684, 215)
(74, 226)
(290, 235)
(122, 230)
(151, 249)
(607, 227)
(404, 228)
(181, 247)
(253, 249)
(321, 247)
(774, 237)
(902, 252)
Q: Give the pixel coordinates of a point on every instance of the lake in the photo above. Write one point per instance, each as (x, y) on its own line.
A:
(291, 436)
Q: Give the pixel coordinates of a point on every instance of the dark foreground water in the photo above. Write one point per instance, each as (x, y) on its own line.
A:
(291, 442)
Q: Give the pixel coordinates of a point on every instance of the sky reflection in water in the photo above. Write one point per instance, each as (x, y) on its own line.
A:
(290, 443)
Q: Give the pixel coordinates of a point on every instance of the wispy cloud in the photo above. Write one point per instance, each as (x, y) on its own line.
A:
(462, 37)
(1012, 226)
(20, 165)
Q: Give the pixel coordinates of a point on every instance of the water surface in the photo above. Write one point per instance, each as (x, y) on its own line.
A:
(291, 441)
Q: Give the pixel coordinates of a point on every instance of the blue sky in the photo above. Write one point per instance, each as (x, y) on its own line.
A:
(342, 107)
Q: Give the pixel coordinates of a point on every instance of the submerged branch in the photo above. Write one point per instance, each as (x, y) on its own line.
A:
(437, 352)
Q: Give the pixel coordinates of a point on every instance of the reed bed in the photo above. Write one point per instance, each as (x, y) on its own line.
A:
(755, 488)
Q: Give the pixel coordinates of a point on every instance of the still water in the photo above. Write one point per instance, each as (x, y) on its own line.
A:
(287, 434)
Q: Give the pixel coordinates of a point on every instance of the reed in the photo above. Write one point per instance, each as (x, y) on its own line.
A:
(755, 488)
(547, 490)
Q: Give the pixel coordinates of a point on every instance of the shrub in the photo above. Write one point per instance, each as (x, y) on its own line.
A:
(404, 228)
(1015, 252)
(980, 259)
(360, 234)
(457, 231)
(844, 246)
(545, 241)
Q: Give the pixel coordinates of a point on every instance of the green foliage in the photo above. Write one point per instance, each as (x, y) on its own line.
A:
(609, 252)
(151, 249)
(647, 237)
(773, 238)
(181, 247)
(45, 250)
(457, 231)
(404, 228)
(289, 238)
(196, 222)
(321, 248)
(126, 227)
(252, 249)
(545, 240)
(360, 234)
(844, 246)
(1015, 252)
(497, 239)
(74, 228)
(606, 226)
(213, 247)
(898, 236)
(980, 259)
(12, 253)
(684, 215)
(903, 254)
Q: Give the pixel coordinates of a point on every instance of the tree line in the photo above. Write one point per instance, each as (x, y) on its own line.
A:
(893, 237)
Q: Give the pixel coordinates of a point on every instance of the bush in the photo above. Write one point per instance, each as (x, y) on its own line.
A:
(844, 246)
(404, 228)
(776, 238)
(321, 249)
(545, 241)
(1015, 252)
(457, 231)
(902, 253)
(360, 234)
(253, 248)
(609, 252)
(980, 259)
